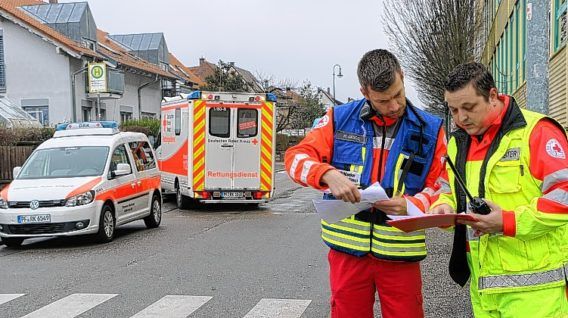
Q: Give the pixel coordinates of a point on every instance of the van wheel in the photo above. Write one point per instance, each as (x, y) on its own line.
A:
(182, 201)
(12, 242)
(155, 218)
(107, 225)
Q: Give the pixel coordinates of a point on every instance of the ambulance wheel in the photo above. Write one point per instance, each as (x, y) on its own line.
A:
(12, 242)
(107, 225)
(182, 201)
(155, 218)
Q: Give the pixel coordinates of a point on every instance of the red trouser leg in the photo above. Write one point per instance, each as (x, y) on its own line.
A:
(352, 285)
(400, 289)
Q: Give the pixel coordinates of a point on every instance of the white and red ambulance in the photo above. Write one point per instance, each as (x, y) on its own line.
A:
(218, 147)
(87, 179)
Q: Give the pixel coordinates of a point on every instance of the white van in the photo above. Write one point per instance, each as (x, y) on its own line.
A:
(87, 179)
(218, 147)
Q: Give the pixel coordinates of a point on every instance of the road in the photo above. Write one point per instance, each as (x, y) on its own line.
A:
(221, 261)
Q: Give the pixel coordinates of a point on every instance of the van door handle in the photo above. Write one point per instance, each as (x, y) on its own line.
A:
(133, 185)
(139, 183)
(227, 145)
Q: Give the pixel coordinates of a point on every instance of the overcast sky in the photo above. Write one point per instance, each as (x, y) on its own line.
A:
(292, 40)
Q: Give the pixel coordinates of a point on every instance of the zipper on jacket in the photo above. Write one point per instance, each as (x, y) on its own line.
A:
(522, 170)
(372, 218)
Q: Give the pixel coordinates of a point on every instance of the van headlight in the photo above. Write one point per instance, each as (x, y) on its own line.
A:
(81, 199)
(3, 204)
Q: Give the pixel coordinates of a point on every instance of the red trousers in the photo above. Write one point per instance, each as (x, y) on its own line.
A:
(354, 281)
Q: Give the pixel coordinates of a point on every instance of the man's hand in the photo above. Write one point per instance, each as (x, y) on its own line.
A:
(394, 206)
(341, 187)
(487, 224)
(441, 209)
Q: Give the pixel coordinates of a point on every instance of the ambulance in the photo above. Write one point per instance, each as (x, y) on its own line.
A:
(87, 179)
(218, 147)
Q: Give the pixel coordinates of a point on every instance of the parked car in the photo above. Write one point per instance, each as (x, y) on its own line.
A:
(87, 179)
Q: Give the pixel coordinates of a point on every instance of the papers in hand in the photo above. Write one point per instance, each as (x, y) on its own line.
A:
(332, 211)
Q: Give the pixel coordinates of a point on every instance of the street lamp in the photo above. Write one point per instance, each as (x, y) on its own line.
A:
(338, 75)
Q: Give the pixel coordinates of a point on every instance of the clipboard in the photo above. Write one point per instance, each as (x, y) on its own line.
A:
(427, 221)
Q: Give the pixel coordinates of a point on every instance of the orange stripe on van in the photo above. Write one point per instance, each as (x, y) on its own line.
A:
(4, 193)
(126, 190)
(170, 107)
(176, 164)
(84, 188)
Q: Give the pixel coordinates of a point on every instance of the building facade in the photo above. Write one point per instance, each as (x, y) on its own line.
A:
(44, 51)
(524, 45)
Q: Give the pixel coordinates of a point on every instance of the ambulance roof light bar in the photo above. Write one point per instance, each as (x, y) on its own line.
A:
(86, 128)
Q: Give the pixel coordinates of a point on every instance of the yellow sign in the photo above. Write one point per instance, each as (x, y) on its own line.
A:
(97, 78)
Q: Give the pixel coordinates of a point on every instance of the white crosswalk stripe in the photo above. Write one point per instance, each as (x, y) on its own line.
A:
(70, 306)
(278, 308)
(169, 306)
(4, 298)
(173, 306)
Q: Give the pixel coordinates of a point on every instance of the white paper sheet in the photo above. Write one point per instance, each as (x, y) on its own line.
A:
(333, 211)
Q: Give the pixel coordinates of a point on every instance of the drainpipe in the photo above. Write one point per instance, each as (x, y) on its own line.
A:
(140, 96)
(73, 97)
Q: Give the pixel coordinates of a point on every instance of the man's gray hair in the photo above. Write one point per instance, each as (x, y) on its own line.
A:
(377, 69)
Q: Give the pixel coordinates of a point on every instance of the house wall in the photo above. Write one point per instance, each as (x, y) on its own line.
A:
(36, 74)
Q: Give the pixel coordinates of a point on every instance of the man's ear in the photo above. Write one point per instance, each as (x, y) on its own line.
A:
(493, 95)
(364, 92)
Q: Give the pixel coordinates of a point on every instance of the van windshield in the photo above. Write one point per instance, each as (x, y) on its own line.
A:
(65, 162)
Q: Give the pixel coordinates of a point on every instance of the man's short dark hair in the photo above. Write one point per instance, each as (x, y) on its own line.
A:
(377, 69)
(475, 73)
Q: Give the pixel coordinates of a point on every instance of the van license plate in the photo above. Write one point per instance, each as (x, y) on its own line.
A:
(233, 195)
(41, 218)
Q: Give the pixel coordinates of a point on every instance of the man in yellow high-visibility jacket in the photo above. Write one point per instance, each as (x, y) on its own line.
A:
(515, 160)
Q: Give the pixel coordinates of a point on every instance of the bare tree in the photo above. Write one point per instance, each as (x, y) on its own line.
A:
(431, 37)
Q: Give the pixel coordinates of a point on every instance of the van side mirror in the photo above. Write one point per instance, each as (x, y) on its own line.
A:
(16, 172)
(122, 169)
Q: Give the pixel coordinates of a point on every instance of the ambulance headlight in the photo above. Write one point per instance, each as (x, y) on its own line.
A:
(3, 204)
(81, 199)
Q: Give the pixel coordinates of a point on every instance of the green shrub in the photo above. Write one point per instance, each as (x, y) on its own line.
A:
(148, 126)
(18, 136)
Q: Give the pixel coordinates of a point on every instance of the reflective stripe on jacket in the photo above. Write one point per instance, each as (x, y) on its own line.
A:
(352, 151)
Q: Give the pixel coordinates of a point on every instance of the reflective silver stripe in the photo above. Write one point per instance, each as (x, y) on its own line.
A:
(425, 201)
(559, 196)
(554, 178)
(351, 226)
(399, 249)
(378, 141)
(391, 233)
(295, 163)
(307, 166)
(444, 186)
(502, 281)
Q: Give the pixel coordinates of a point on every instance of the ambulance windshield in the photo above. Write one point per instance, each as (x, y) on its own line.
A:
(65, 162)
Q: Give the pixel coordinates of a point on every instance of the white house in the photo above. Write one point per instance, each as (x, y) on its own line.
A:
(44, 51)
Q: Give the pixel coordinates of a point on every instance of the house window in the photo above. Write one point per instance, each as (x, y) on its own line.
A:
(87, 113)
(41, 113)
(146, 115)
(125, 116)
(2, 64)
(560, 31)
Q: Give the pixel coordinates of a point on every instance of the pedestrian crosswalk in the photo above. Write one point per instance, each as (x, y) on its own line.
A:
(169, 306)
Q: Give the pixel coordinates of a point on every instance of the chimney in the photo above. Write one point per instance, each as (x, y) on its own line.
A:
(201, 60)
(53, 1)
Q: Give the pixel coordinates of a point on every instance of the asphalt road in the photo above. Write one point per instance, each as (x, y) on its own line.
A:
(221, 261)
